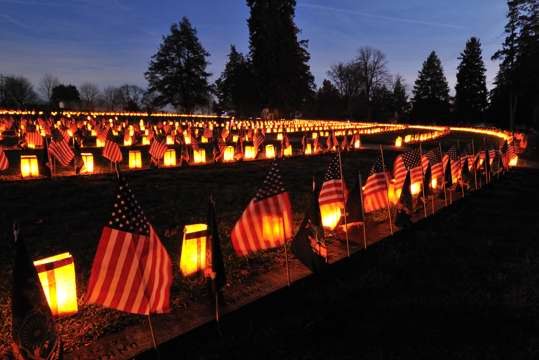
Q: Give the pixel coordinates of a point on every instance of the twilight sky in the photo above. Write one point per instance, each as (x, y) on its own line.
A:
(109, 42)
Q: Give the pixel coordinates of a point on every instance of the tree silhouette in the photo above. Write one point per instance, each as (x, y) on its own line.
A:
(471, 89)
(280, 61)
(431, 92)
(177, 72)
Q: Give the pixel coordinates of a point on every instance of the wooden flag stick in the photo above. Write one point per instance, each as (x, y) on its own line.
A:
(286, 254)
(487, 173)
(474, 169)
(217, 312)
(74, 157)
(433, 207)
(154, 342)
(387, 195)
(49, 156)
(423, 177)
(443, 181)
(344, 206)
(362, 211)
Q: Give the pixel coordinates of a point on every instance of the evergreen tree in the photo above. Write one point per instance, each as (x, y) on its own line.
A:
(516, 94)
(382, 103)
(66, 94)
(177, 72)
(329, 103)
(400, 104)
(431, 92)
(280, 61)
(471, 88)
(234, 88)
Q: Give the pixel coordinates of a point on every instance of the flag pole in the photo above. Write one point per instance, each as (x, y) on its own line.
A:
(153, 335)
(49, 156)
(217, 314)
(487, 173)
(213, 278)
(344, 205)
(285, 253)
(362, 211)
(423, 182)
(387, 195)
(448, 163)
(74, 157)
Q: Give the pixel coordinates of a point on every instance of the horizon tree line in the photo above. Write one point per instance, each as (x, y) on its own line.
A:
(274, 78)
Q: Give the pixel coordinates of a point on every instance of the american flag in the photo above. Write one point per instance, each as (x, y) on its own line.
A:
(258, 140)
(112, 151)
(102, 133)
(344, 143)
(224, 134)
(208, 133)
(219, 146)
(435, 159)
(59, 148)
(194, 141)
(132, 271)
(64, 133)
(492, 154)
(284, 144)
(453, 158)
(34, 138)
(4, 163)
(315, 146)
(333, 188)
(158, 148)
(409, 161)
(508, 152)
(375, 190)
(269, 210)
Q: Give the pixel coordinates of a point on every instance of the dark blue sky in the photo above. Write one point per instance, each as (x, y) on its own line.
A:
(109, 42)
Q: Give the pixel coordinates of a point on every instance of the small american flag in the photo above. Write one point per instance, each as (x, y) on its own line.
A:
(344, 143)
(453, 158)
(508, 152)
(258, 140)
(103, 133)
(375, 190)
(65, 133)
(208, 133)
(194, 141)
(435, 159)
(409, 161)
(4, 163)
(158, 149)
(112, 151)
(269, 210)
(132, 271)
(59, 148)
(492, 154)
(333, 188)
(34, 138)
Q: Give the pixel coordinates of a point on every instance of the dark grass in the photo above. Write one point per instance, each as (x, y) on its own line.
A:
(68, 213)
(459, 285)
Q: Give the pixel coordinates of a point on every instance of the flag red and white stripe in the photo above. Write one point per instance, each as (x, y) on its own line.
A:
(409, 161)
(333, 189)
(158, 149)
(112, 151)
(34, 138)
(132, 271)
(375, 189)
(61, 151)
(4, 163)
(270, 209)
